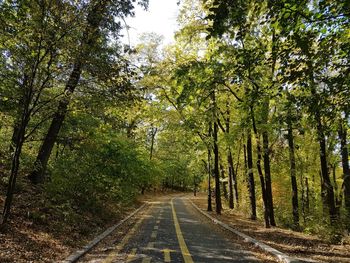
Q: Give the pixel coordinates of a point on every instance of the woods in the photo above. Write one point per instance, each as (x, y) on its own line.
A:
(250, 103)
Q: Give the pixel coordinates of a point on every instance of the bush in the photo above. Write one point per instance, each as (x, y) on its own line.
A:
(99, 173)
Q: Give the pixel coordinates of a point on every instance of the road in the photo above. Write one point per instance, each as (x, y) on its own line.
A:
(173, 231)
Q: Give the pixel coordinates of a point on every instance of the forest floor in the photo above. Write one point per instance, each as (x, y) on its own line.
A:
(37, 233)
(295, 244)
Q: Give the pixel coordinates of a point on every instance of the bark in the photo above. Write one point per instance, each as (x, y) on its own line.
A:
(18, 140)
(327, 185)
(260, 172)
(37, 175)
(251, 182)
(266, 150)
(295, 204)
(338, 198)
(234, 177)
(89, 39)
(230, 177)
(153, 135)
(327, 188)
(209, 208)
(14, 137)
(345, 164)
(307, 195)
(218, 206)
(269, 197)
(232, 180)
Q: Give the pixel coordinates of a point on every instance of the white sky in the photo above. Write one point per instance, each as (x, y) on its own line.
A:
(160, 18)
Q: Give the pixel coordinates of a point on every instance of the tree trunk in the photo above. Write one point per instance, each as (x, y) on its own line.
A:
(90, 37)
(269, 197)
(293, 174)
(18, 141)
(345, 164)
(218, 206)
(209, 208)
(37, 175)
(230, 177)
(251, 183)
(14, 137)
(328, 200)
(261, 176)
(153, 135)
(338, 198)
(327, 185)
(14, 169)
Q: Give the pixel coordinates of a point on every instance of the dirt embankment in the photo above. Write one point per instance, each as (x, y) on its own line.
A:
(39, 233)
(295, 244)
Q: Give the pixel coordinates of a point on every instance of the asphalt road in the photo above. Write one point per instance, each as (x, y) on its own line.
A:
(174, 232)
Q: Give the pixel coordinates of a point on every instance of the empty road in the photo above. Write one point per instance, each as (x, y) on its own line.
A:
(173, 231)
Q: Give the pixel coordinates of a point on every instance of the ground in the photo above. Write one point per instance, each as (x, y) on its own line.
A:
(293, 243)
(31, 238)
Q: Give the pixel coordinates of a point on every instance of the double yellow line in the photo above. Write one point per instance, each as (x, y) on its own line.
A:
(184, 250)
(183, 247)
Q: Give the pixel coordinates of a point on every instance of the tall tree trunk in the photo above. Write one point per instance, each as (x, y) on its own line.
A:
(328, 200)
(307, 196)
(327, 185)
(293, 178)
(345, 164)
(251, 182)
(18, 141)
(265, 135)
(14, 169)
(261, 175)
(218, 205)
(269, 197)
(230, 177)
(209, 208)
(90, 37)
(234, 177)
(236, 173)
(231, 171)
(37, 175)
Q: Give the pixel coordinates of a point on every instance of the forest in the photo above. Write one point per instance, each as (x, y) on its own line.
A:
(249, 105)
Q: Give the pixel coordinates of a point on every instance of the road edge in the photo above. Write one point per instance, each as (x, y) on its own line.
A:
(74, 257)
(274, 252)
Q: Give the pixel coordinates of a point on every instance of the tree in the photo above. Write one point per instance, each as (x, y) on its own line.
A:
(30, 53)
(100, 13)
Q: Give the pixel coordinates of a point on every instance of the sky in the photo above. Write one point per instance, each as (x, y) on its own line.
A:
(160, 18)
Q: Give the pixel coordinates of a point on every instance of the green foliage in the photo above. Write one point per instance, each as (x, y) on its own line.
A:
(104, 170)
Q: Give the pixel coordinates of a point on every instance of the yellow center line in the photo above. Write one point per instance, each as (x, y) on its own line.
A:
(150, 245)
(167, 255)
(124, 241)
(154, 234)
(184, 250)
(132, 255)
